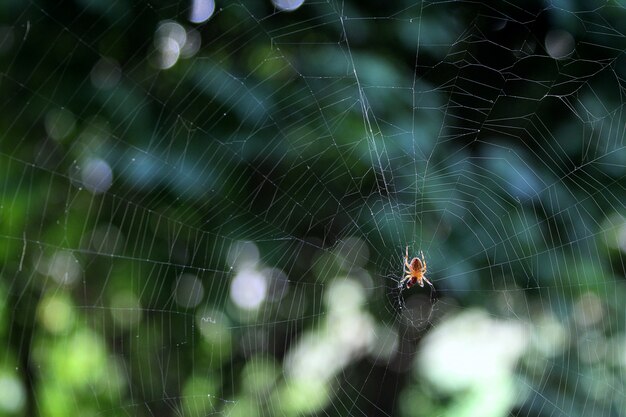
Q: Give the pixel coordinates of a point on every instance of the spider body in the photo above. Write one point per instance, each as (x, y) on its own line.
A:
(415, 271)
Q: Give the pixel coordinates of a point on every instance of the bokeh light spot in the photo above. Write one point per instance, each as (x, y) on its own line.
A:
(59, 123)
(192, 44)
(559, 44)
(96, 176)
(169, 39)
(62, 266)
(243, 255)
(287, 5)
(56, 313)
(471, 350)
(248, 289)
(106, 73)
(189, 291)
(12, 394)
(126, 309)
(201, 10)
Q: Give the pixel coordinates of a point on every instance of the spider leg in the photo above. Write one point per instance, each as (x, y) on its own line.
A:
(409, 281)
(403, 280)
(429, 283)
(406, 258)
(423, 262)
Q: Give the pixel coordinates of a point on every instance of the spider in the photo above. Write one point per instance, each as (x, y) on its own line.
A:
(415, 274)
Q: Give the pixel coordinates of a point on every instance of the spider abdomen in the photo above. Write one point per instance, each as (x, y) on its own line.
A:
(416, 264)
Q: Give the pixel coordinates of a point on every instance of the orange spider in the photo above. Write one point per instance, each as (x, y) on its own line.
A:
(415, 274)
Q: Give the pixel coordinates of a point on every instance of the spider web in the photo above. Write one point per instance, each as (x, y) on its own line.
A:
(204, 208)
